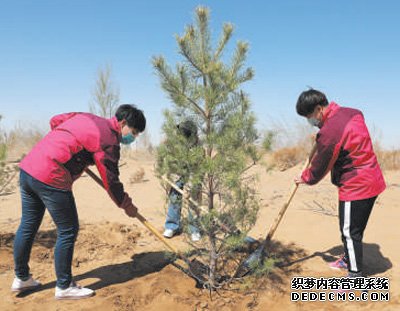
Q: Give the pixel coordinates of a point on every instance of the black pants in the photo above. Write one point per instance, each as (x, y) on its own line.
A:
(353, 217)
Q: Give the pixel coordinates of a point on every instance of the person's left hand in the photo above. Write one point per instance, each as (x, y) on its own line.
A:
(298, 180)
(186, 194)
(131, 210)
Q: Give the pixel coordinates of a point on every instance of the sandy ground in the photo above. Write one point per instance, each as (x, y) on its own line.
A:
(126, 265)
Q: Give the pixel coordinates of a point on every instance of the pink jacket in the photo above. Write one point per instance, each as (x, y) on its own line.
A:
(344, 147)
(75, 141)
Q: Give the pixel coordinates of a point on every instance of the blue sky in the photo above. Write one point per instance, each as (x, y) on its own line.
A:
(50, 52)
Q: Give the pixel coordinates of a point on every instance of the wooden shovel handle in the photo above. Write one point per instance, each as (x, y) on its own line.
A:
(224, 227)
(142, 219)
(289, 199)
(180, 191)
(156, 233)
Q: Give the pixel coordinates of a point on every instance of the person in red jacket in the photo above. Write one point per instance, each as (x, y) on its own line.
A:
(344, 148)
(47, 172)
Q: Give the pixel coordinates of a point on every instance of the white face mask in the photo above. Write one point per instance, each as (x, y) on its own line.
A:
(313, 121)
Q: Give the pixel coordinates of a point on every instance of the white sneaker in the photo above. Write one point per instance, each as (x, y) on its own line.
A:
(169, 233)
(74, 291)
(18, 285)
(196, 236)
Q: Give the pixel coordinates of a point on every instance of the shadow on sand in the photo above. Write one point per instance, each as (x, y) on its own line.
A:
(141, 265)
(374, 261)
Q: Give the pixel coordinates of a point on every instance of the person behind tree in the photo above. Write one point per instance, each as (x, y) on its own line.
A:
(173, 225)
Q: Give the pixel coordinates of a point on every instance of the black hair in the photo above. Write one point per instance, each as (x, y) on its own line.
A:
(187, 128)
(134, 117)
(310, 99)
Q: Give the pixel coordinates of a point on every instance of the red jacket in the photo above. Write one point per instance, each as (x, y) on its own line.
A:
(344, 147)
(75, 141)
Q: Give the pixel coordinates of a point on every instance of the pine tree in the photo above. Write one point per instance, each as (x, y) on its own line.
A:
(206, 88)
(105, 95)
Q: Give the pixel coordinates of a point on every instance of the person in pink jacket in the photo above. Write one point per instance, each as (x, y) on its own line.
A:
(47, 172)
(344, 148)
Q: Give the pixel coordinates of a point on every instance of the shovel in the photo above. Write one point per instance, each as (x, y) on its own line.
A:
(256, 258)
(180, 257)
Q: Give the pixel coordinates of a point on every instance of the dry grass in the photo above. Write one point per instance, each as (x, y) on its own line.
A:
(388, 159)
(137, 176)
(288, 157)
(290, 145)
(7, 171)
(21, 139)
(287, 144)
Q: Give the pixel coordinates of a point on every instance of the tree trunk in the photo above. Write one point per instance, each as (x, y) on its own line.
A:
(213, 259)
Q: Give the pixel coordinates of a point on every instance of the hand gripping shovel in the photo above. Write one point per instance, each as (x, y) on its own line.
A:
(178, 262)
(257, 257)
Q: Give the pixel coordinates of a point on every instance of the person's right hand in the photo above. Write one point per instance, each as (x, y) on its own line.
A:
(128, 206)
(131, 210)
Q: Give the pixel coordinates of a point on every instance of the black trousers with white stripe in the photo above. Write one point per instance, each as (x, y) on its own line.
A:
(353, 218)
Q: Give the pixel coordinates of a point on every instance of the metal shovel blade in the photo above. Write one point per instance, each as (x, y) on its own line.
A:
(256, 259)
